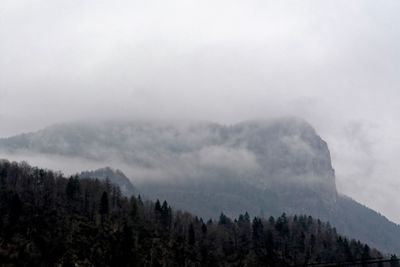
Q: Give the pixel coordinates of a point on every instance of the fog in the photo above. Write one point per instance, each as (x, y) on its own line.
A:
(206, 163)
(333, 63)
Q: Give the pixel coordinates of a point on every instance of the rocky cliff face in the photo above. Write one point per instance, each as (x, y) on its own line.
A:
(282, 152)
(291, 155)
(283, 156)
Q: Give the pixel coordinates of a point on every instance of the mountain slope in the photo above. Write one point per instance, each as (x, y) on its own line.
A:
(263, 167)
(48, 220)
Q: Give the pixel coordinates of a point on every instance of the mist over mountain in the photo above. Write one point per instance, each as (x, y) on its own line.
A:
(264, 167)
(280, 149)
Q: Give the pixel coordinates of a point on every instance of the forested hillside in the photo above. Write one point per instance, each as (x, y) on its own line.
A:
(263, 167)
(50, 220)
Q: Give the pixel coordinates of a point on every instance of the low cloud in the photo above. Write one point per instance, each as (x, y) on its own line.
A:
(206, 163)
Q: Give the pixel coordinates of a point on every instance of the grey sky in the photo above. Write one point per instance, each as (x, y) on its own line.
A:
(334, 63)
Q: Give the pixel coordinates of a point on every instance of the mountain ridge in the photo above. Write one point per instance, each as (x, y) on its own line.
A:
(267, 166)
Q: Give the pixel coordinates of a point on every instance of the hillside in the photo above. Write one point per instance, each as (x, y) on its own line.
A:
(264, 167)
(49, 220)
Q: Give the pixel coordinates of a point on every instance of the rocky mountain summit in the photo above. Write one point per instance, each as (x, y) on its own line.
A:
(275, 152)
(264, 167)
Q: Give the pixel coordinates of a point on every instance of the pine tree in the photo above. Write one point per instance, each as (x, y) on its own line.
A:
(104, 206)
(394, 261)
(15, 208)
(191, 235)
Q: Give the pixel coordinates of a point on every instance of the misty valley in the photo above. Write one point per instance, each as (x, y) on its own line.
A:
(182, 193)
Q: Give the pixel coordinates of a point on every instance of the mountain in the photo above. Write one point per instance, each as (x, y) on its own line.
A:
(115, 177)
(264, 167)
(49, 220)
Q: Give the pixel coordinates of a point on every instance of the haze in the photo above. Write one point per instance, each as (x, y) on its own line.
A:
(333, 63)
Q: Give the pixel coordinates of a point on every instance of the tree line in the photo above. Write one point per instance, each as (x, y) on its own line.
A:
(50, 220)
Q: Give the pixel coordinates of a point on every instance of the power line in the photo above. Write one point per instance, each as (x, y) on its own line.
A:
(347, 263)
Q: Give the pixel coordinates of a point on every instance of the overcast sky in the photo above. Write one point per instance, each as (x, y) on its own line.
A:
(335, 63)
